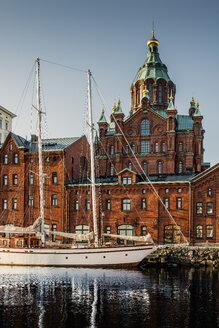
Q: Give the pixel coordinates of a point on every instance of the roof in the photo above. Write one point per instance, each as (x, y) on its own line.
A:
(7, 112)
(184, 122)
(55, 144)
(152, 67)
(20, 141)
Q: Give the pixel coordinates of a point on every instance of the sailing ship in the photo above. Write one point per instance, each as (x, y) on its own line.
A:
(35, 252)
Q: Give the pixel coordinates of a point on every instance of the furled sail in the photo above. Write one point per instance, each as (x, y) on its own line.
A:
(32, 229)
(74, 236)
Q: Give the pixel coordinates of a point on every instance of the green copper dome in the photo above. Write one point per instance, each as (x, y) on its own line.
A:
(153, 67)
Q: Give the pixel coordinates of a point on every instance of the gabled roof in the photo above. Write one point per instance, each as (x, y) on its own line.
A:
(20, 141)
(7, 112)
(126, 169)
(204, 173)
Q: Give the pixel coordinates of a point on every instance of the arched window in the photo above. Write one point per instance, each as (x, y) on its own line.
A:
(125, 230)
(130, 165)
(180, 146)
(145, 128)
(199, 231)
(160, 96)
(156, 147)
(163, 147)
(180, 167)
(127, 149)
(133, 148)
(111, 150)
(160, 169)
(150, 91)
(140, 92)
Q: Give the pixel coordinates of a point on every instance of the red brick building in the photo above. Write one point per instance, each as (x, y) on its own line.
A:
(63, 160)
(153, 141)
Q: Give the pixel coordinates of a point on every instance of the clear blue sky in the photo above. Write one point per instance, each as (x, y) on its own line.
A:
(110, 38)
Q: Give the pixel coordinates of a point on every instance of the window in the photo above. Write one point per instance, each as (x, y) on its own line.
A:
(209, 231)
(108, 229)
(143, 204)
(180, 146)
(47, 159)
(199, 231)
(82, 229)
(209, 208)
(145, 167)
(111, 150)
(5, 204)
(15, 158)
(160, 96)
(143, 230)
(179, 190)
(166, 203)
(209, 192)
(143, 191)
(54, 200)
(126, 204)
(163, 147)
(6, 159)
(111, 169)
(108, 192)
(14, 203)
(166, 190)
(5, 180)
(150, 91)
(179, 203)
(31, 178)
(199, 208)
(6, 125)
(127, 180)
(108, 204)
(156, 147)
(160, 167)
(180, 167)
(125, 230)
(145, 128)
(145, 146)
(88, 205)
(133, 148)
(172, 234)
(54, 178)
(54, 228)
(10, 145)
(76, 205)
(30, 200)
(0, 123)
(15, 179)
(130, 165)
(126, 149)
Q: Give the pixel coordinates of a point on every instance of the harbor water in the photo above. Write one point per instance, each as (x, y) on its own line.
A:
(76, 297)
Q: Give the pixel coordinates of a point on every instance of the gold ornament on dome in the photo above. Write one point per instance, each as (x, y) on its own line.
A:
(197, 104)
(114, 107)
(192, 102)
(153, 41)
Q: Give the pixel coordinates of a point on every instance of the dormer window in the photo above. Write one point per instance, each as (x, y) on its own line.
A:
(127, 180)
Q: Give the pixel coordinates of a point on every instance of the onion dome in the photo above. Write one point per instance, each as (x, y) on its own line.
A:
(153, 41)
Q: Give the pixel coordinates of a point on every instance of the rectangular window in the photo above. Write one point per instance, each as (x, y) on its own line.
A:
(111, 150)
(30, 200)
(5, 180)
(209, 231)
(108, 204)
(156, 147)
(54, 200)
(14, 203)
(10, 145)
(6, 159)
(54, 178)
(179, 203)
(145, 146)
(76, 205)
(108, 229)
(5, 204)
(127, 180)
(209, 208)
(54, 228)
(6, 125)
(166, 203)
(126, 205)
(0, 123)
(160, 169)
(199, 208)
(143, 230)
(111, 169)
(126, 149)
(143, 204)
(88, 205)
(163, 147)
(180, 147)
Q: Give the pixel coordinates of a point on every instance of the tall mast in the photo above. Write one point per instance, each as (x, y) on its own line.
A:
(93, 187)
(40, 152)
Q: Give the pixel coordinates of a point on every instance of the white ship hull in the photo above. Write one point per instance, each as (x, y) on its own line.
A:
(87, 257)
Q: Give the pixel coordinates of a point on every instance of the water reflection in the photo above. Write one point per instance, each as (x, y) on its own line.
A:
(51, 297)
